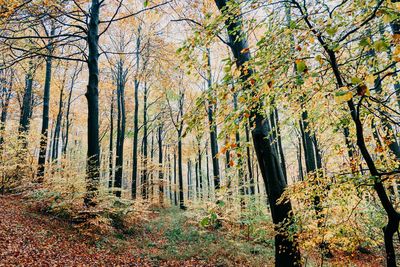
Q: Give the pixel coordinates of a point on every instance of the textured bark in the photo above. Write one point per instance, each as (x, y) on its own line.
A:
(213, 126)
(26, 101)
(6, 91)
(145, 179)
(67, 120)
(136, 118)
(57, 129)
(111, 144)
(160, 164)
(286, 250)
(121, 125)
(45, 118)
(92, 96)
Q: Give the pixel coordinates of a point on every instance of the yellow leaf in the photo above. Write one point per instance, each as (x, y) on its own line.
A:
(343, 95)
(396, 53)
(370, 80)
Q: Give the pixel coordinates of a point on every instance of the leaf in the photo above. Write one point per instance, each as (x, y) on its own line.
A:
(343, 96)
(370, 80)
(245, 50)
(356, 80)
(363, 90)
(300, 65)
(380, 46)
(396, 53)
(364, 42)
(331, 31)
(205, 222)
(146, 3)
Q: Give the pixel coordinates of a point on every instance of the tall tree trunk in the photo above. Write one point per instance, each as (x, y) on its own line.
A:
(92, 96)
(392, 215)
(145, 180)
(6, 97)
(175, 181)
(180, 171)
(249, 164)
(136, 117)
(121, 125)
(67, 120)
(160, 165)
(209, 187)
(45, 115)
(213, 125)
(286, 250)
(111, 143)
(26, 101)
(57, 129)
(200, 185)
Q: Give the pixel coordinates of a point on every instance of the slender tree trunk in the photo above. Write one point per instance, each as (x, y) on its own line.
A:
(145, 178)
(67, 120)
(200, 186)
(392, 215)
(180, 171)
(92, 96)
(26, 101)
(7, 91)
(45, 115)
(111, 144)
(286, 250)
(213, 126)
(136, 117)
(175, 181)
(249, 164)
(160, 166)
(57, 129)
(209, 187)
(121, 125)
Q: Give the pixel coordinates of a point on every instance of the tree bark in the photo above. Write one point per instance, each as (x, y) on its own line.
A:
(92, 96)
(286, 250)
(136, 118)
(45, 116)
(111, 144)
(121, 125)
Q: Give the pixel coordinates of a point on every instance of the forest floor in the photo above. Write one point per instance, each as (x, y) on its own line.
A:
(29, 238)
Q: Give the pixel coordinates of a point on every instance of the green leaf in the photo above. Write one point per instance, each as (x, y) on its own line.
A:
(331, 31)
(205, 222)
(356, 80)
(146, 3)
(381, 46)
(301, 65)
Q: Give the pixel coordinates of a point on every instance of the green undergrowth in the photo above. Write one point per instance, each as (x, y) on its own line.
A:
(173, 235)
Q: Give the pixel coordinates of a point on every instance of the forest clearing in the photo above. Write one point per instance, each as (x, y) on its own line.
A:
(199, 133)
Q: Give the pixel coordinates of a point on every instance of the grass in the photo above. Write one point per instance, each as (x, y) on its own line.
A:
(173, 236)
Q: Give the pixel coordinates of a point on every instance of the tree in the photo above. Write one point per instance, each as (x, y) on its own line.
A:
(286, 251)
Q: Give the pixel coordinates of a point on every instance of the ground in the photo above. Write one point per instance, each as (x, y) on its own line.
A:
(29, 238)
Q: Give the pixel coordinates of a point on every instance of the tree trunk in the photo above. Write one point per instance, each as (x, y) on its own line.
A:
(57, 129)
(6, 96)
(145, 180)
(175, 182)
(92, 96)
(121, 125)
(160, 166)
(45, 116)
(286, 250)
(213, 126)
(26, 101)
(180, 172)
(111, 143)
